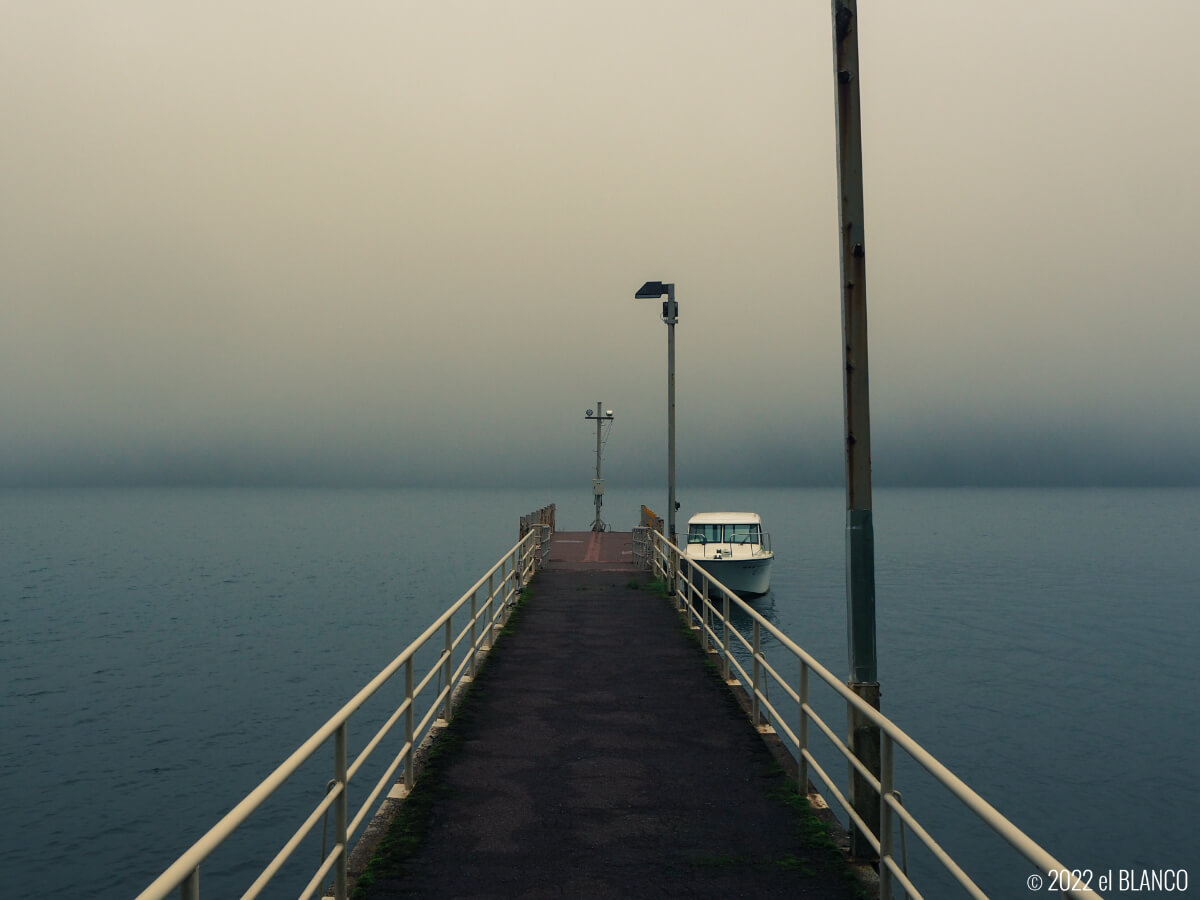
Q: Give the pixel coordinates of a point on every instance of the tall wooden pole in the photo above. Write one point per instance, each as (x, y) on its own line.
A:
(860, 533)
(671, 317)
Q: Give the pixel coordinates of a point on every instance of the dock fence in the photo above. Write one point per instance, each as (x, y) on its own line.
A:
(539, 519)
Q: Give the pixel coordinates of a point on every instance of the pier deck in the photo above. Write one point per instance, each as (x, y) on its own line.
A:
(599, 759)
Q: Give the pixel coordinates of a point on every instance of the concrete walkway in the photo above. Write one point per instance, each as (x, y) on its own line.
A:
(599, 759)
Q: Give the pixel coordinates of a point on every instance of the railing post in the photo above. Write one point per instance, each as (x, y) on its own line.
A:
(683, 598)
(725, 636)
(507, 573)
(341, 815)
(474, 630)
(408, 724)
(709, 617)
(756, 712)
(519, 563)
(491, 610)
(802, 732)
(189, 888)
(514, 579)
(676, 564)
(885, 816)
(448, 667)
(504, 583)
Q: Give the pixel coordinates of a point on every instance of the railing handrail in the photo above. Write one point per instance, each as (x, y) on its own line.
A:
(662, 547)
(524, 556)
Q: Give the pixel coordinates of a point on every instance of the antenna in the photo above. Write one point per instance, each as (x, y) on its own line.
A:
(601, 415)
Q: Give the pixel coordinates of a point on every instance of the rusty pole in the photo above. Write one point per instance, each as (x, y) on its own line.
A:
(860, 533)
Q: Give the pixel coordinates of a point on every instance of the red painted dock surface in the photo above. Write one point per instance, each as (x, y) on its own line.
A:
(600, 550)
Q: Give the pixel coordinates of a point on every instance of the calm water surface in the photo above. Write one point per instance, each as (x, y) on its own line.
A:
(162, 650)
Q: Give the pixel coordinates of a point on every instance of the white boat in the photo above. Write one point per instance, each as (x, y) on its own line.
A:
(733, 548)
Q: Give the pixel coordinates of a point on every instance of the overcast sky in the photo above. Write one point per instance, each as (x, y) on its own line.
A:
(389, 242)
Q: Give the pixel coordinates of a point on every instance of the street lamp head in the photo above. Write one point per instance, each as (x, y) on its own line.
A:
(651, 290)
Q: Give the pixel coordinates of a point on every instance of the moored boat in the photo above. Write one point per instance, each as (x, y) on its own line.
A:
(733, 548)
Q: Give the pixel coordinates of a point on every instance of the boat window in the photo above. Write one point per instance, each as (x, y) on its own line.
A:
(743, 534)
(703, 534)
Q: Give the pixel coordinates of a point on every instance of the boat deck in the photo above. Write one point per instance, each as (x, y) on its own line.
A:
(602, 760)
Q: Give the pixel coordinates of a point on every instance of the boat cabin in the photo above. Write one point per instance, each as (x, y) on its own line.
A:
(725, 528)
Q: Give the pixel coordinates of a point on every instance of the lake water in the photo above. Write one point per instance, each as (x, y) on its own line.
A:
(162, 650)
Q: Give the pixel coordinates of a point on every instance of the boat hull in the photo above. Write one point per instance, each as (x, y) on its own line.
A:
(745, 576)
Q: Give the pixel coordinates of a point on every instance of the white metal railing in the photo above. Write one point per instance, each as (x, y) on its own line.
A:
(642, 549)
(648, 522)
(503, 582)
(697, 595)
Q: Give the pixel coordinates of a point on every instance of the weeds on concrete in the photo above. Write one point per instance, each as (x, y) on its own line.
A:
(407, 831)
(514, 614)
(814, 834)
(659, 586)
(812, 830)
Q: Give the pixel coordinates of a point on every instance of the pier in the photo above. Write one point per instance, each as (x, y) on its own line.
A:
(597, 717)
(598, 758)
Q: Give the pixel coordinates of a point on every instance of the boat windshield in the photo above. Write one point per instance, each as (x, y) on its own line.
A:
(743, 534)
(731, 534)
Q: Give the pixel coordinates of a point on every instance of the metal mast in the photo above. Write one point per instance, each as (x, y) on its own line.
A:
(601, 416)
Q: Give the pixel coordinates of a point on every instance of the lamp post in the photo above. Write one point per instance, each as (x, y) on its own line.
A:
(652, 290)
